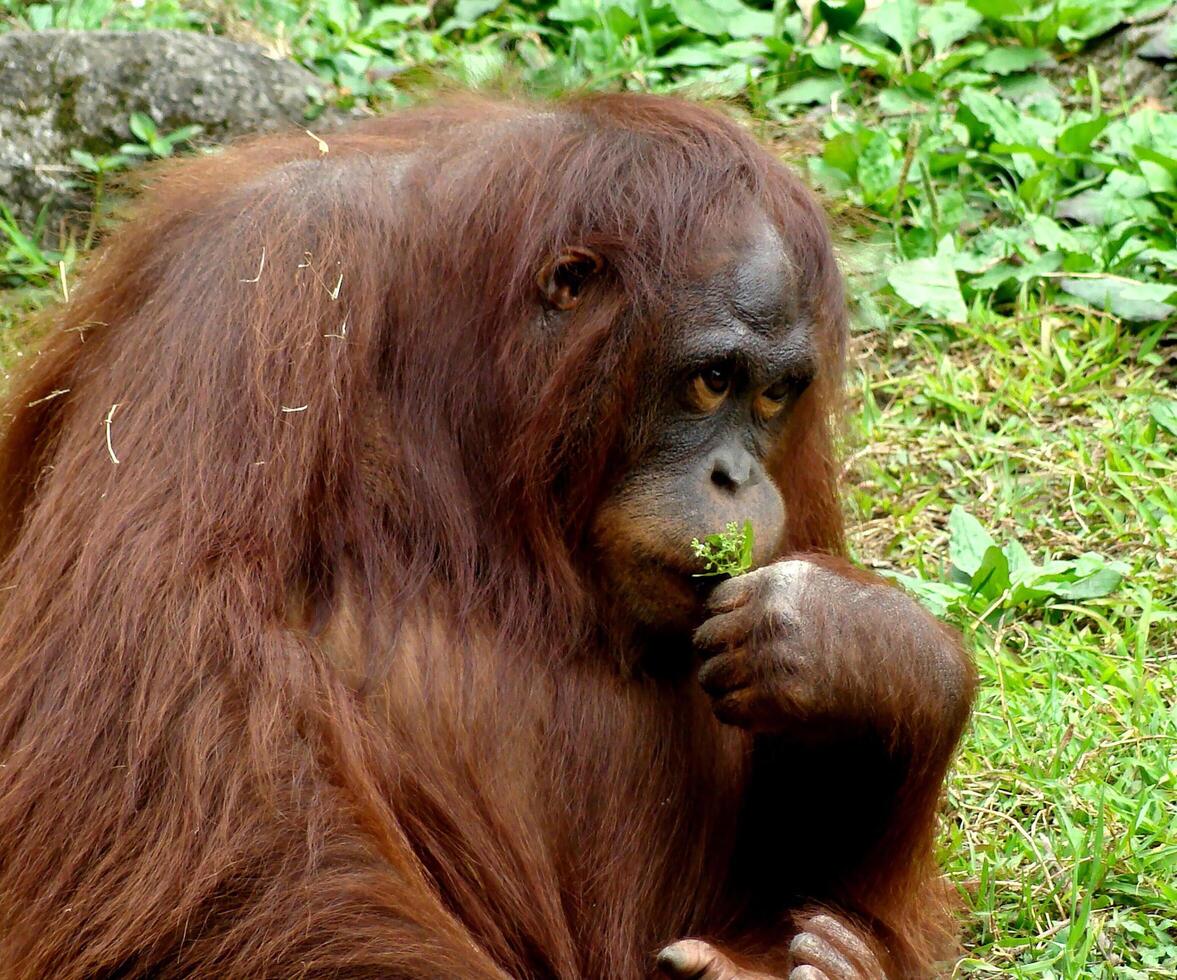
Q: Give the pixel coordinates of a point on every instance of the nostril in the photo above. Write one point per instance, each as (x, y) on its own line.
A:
(723, 479)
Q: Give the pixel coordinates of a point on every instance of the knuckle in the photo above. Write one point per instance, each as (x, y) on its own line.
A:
(723, 674)
(731, 709)
(690, 959)
(707, 637)
(734, 592)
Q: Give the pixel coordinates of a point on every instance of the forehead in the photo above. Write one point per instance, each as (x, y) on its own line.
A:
(744, 278)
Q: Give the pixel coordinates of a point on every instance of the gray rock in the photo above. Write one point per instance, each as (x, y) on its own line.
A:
(1161, 43)
(61, 90)
(1137, 57)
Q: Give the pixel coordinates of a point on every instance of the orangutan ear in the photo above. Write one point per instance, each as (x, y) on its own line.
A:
(562, 279)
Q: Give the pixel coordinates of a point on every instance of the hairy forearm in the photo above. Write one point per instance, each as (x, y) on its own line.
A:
(903, 674)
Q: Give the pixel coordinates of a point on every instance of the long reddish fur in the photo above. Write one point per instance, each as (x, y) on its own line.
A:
(460, 773)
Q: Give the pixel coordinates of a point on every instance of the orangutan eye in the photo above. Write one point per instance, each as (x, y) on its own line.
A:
(768, 403)
(717, 379)
(710, 387)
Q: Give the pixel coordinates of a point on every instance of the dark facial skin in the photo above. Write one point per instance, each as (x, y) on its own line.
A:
(736, 357)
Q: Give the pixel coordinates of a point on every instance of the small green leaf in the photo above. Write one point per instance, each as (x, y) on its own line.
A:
(746, 548)
(142, 127)
(84, 159)
(727, 553)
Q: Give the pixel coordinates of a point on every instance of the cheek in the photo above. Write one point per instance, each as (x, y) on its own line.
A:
(634, 564)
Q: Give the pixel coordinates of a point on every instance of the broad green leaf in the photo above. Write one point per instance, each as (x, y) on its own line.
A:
(409, 13)
(720, 17)
(1051, 235)
(1146, 127)
(40, 16)
(1109, 206)
(991, 578)
(1167, 161)
(1017, 272)
(948, 22)
(1020, 565)
(810, 91)
(704, 54)
(1000, 9)
(1094, 576)
(466, 12)
(897, 102)
(930, 284)
(900, 21)
(878, 167)
(860, 52)
(1078, 137)
(1164, 410)
(1004, 120)
(1165, 256)
(1091, 19)
(1007, 61)
(1160, 181)
(843, 150)
(827, 56)
(576, 11)
(840, 15)
(968, 541)
(1127, 298)
(830, 178)
(477, 66)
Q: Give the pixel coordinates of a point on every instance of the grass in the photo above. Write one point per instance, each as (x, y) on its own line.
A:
(1016, 356)
(1061, 809)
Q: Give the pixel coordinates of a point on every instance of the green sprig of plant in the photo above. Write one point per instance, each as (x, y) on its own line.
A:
(727, 553)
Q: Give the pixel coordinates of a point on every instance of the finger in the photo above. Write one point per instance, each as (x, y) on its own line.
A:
(725, 673)
(810, 949)
(734, 708)
(807, 973)
(733, 593)
(688, 959)
(850, 942)
(726, 629)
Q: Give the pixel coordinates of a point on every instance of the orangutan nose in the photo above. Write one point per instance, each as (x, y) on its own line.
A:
(735, 469)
